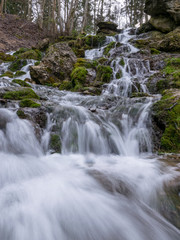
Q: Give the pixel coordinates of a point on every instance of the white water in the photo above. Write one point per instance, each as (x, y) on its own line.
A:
(104, 186)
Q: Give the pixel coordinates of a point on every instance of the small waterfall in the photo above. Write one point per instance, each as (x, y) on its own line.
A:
(105, 183)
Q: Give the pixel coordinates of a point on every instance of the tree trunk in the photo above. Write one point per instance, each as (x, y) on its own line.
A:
(85, 16)
(2, 6)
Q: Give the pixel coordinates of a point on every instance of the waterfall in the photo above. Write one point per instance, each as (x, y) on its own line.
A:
(106, 183)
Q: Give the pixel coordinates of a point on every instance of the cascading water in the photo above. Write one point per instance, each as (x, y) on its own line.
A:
(105, 184)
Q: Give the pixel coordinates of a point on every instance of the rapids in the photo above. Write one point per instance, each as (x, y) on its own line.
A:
(106, 183)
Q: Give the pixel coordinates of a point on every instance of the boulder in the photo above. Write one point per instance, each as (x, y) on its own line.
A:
(56, 66)
(107, 25)
(170, 8)
(108, 28)
(162, 23)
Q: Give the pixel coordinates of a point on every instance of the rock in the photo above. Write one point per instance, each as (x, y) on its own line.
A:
(108, 28)
(146, 27)
(107, 25)
(162, 23)
(56, 66)
(43, 45)
(169, 8)
(166, 122)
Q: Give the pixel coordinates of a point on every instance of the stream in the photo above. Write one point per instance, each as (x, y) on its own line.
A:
(106, 182)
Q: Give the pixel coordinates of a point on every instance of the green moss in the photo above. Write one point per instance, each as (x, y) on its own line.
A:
(37, 63)
(102, 60)
(7, 74)
(167, 113)
(21, 114)
(6, 57)
(17, 65)
(28, 103)
(55, 143)
(65, 85)
(81, 62)
(20, 51)
(119, 74)
(21, 83)
(104, 73)
(19, 73)
(154, 51)
(172, 72)
(31, 54)
(78, 77)
(121, 62)
(21, 94)
(109, 47)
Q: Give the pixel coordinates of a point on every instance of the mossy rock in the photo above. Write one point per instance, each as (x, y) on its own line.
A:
(154, 51)
(119, 74)
(23, 93)
(102, 60)
(121, 62)
(31, 54)
(55, 143)
(7, 74)
(139, 94)
(21, 114)
(17, 65)
(6, 57)
(20, 51)
(167, 116)
(78, 77)
(21, 83)
(19, 73)
(108, 48)
(29, 103)
(65, 85)
(82, 62)
(104, 74)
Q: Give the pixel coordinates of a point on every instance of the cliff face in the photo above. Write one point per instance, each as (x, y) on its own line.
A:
(16, 32)
(168, 8)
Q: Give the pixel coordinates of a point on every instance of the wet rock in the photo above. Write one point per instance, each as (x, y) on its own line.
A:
(56, 66)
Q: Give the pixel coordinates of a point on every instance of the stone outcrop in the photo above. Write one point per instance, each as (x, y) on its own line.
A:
(169, 8)
(56, 66)
(165, 14)
(108, 28)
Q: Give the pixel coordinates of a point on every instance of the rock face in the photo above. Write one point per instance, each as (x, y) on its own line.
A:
(56, 66)
(168, 8)
(108, 28)
(163, 24)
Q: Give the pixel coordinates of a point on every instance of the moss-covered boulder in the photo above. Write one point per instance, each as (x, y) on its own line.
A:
(166, 115)
(6, 57)
(7, 74)
(19, 73)
(30, 54)
(104, 74)
(66, 85)
(78, 77)
(24, 93)
(108, 48)
(108, 28)
(29, 103)
(21, 83)
(17, 65)
(56, 66)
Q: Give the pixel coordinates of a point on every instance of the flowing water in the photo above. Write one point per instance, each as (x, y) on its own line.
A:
(105, 184)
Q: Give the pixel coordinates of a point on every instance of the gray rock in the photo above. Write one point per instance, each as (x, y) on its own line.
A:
(56, 66)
